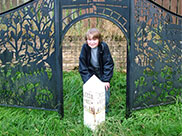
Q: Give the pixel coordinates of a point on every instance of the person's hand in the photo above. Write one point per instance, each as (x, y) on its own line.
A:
(107, 85)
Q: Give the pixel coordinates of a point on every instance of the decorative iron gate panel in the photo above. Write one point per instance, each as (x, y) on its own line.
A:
(116, 11)
(28, 57)
(30, 51)
(156, 56)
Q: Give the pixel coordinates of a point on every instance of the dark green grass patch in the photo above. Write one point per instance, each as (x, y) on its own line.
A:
(157, 121)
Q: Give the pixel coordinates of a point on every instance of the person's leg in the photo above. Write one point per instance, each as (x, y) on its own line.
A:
(107, 97)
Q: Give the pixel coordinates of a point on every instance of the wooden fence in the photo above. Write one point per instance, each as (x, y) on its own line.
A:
(173, 5)
(9, 4)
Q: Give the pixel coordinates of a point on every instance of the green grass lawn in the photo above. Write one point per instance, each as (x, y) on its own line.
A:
(157, 121)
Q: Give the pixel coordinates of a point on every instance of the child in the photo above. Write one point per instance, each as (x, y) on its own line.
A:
(95, 58)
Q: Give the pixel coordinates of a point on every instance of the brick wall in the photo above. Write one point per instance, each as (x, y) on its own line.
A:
(72, 48)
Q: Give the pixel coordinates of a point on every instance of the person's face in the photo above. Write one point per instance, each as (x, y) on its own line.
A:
(92, 43)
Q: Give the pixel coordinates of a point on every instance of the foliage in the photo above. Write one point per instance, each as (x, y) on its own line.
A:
(108, 29)
(19, 88)
(157, 121)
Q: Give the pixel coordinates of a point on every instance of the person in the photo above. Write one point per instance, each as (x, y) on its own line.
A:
(95, 59)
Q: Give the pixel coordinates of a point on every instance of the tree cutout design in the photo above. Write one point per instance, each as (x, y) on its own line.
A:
(27, 56)
(158, 56)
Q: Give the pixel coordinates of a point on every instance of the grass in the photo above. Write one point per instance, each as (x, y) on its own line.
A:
(157, 121)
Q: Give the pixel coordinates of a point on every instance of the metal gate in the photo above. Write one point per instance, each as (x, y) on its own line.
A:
(31, 58)
(156, 56)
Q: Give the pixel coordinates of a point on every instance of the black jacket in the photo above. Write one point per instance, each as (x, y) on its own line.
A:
(105, 62)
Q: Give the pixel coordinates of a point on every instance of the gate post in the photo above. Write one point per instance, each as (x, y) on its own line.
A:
(59, 84)
(130, 52)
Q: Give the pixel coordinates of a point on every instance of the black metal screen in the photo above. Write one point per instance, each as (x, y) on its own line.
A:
(28, 58)
(117, 11)
(156, 55)
(30, 51)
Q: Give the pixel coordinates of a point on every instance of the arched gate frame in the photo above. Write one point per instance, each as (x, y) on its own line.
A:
(31, 51)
